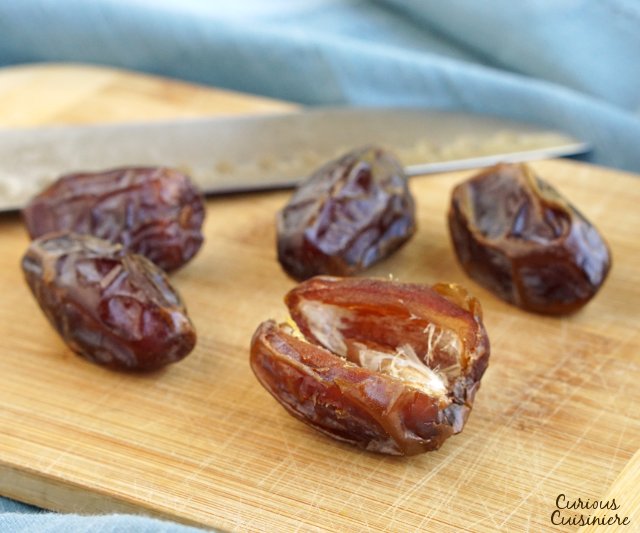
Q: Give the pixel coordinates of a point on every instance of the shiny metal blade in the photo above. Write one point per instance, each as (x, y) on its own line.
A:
(258, 152)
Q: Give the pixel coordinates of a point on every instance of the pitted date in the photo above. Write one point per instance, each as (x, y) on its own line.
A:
(348, 215)
(390, 367)
(518, 237)
(111, 306)
(156, 212)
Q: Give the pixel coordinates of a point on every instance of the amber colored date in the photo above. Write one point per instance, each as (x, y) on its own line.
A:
(156, 212)
(390, 367)
(348, 215)
(111, 306)
(517, 236)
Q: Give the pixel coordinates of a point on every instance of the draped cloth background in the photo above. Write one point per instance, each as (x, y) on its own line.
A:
(567, 64)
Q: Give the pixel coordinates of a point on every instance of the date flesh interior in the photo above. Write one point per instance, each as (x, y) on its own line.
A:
(390, 367)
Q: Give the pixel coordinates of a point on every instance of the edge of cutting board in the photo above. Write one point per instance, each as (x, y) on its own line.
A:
(70, 93)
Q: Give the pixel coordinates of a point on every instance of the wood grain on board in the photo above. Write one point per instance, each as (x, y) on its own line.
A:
(201, 442)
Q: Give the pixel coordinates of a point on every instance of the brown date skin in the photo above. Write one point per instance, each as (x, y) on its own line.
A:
(321, 379)
(518, 237)
(112, 307)
(348, 215)
(154, 211)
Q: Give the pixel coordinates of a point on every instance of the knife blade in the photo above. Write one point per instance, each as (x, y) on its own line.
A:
(259, 152)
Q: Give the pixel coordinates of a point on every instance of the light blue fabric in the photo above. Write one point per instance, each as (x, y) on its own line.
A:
(568, 64)
(19, 518)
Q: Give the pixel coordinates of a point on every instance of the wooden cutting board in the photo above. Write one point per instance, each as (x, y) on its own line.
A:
(201, 442)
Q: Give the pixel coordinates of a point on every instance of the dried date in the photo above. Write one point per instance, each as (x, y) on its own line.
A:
(111, 306)
(156, 212)
(348, 215)
(390, 367)
(518, 237)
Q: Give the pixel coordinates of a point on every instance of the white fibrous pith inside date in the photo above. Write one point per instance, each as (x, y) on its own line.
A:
(324, 321)
(405, 366)
(430, 372)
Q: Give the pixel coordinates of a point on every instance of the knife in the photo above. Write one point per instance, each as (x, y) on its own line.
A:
(261, 152)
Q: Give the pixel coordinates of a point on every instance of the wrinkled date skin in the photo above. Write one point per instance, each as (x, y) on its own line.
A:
(390, 367)
(111, 306)
(348, 215)
(156, 212)
(518, 237)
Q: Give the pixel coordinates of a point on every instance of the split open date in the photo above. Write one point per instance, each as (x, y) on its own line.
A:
(390, 367)
(111, 306)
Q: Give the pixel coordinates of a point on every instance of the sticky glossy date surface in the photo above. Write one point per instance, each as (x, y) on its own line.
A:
(348, 215)
(111, 306)
(517, 236)
(156, 212)
(387, 366)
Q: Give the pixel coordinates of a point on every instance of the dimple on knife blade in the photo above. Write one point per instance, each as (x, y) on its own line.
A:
(261, 152)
